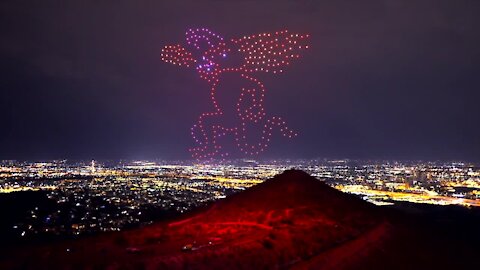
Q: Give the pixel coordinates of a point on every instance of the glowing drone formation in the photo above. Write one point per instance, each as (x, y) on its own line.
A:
(266, 52)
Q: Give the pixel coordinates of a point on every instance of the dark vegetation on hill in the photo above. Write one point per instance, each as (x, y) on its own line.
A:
(16, 205)
(292, 221)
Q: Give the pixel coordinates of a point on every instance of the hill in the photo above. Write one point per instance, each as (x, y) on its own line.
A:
(292, 221)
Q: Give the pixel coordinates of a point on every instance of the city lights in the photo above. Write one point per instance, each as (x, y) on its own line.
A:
(118, 195)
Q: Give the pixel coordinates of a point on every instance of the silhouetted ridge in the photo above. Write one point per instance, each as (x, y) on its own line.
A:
(294, 191)
(285, 221)
(292, 221)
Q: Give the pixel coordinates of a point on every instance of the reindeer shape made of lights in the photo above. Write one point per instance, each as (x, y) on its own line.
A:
(266, 52)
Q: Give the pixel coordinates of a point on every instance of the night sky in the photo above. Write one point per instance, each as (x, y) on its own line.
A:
(382, 79)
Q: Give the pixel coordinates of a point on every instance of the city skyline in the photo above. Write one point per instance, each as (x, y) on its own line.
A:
(114, 196)
(223, 134)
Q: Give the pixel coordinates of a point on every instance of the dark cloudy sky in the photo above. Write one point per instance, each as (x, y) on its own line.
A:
(383, 79)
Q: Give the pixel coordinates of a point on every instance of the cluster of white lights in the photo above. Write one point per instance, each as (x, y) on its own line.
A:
(177, 55)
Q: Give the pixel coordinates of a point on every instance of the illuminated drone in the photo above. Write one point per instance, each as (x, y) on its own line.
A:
(266, 52)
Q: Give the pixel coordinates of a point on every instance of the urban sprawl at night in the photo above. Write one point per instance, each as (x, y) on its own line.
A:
(90, 197)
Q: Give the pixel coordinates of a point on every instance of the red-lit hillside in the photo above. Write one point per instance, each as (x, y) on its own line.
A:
(290, 221)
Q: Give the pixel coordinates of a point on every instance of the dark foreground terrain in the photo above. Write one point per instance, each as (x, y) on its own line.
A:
(292, 221)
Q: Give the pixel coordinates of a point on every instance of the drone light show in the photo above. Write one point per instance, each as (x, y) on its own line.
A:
(265, 52)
